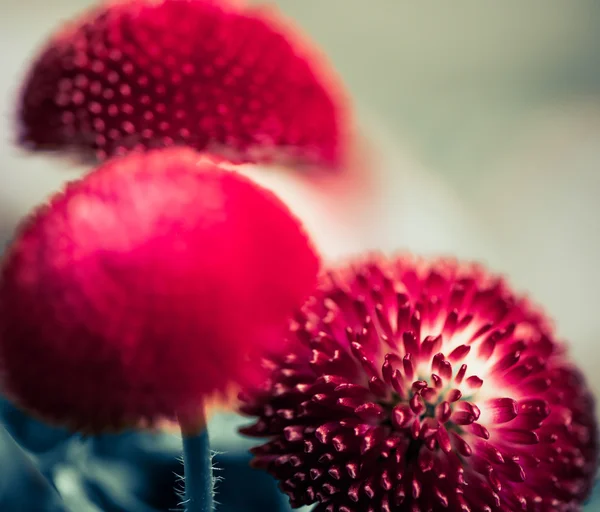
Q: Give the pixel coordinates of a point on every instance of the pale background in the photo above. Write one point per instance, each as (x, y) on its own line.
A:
(486, 116)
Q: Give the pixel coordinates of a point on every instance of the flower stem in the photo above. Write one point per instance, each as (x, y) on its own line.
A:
(197, 465)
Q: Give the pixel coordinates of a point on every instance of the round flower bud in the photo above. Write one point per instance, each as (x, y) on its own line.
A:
(140, 74)
(145, 289)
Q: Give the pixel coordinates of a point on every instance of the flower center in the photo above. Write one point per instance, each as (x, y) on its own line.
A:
(425, 401)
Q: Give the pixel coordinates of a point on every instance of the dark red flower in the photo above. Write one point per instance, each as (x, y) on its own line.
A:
(144, 288)
(421, 387)
(139, 74)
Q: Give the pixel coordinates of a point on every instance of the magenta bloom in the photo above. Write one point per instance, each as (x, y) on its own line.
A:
(421, 387)
(146, 288)
(139, 74)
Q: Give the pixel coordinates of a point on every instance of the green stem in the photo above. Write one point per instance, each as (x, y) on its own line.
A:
(197, 463)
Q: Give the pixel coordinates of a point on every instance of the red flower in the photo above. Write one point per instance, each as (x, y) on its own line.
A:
(413, 386)
(144, 288)
(140, 74)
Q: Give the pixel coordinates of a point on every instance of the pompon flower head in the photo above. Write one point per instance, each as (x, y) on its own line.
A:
(137, 74)
(144, 288)
(416, 386)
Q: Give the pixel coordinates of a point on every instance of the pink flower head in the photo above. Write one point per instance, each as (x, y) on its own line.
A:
(415, 386)
(146, 287)
(141, 74)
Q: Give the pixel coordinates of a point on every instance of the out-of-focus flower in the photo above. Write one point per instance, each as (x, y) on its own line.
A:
(138, 74)
(424, 386)
(144, 288)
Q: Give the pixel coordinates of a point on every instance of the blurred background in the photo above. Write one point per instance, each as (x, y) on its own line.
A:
(483, 122)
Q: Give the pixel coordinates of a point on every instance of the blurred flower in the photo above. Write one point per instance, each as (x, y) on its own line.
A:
(146, 287)
(426, 386)
(140, 74)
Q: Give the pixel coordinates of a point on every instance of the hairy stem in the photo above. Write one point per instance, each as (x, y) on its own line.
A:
(197, 463)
